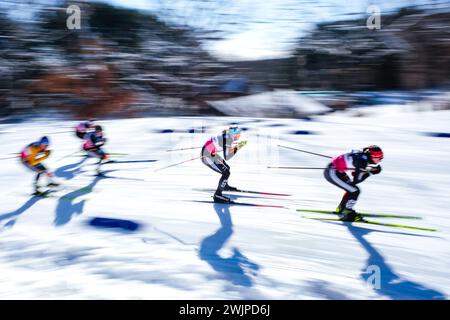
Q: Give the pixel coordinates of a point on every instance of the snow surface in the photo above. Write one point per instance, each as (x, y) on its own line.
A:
(278, 103)
(193, 250)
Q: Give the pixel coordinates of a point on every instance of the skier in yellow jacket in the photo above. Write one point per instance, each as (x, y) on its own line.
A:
(32, 156)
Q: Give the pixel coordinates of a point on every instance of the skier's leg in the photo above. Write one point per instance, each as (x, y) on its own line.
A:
(36, 180)
(102, 156)
(218, 196)
(40, 169)
(220, 166)
(349, 200)
(96, 153)
(223, 180)
(227, 186)
(342, 181)
(209, 161)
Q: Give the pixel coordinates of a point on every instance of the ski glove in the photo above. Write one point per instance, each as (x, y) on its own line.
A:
(374, 170)
(44, 154)
(241, 144)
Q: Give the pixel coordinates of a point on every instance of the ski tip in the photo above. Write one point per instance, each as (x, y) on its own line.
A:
(373, 223)
(364, 214)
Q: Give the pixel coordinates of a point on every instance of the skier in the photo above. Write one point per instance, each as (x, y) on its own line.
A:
(223, 144)
(84, 127)
(93, 142)
(362, 164)
(32, 156)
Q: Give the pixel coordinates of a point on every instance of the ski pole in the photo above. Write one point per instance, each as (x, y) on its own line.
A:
(183, 149)
(58, 132)
(281, 167)
(176, 164)
(312, 168)
(317, 154)
(66, 156)
(6, 158)
(190, 148)
(129, 161)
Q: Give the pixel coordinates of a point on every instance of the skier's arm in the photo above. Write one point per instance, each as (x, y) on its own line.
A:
(229, 150)
(96, 142)
(99, 142)
(36, 156)
(360, 174)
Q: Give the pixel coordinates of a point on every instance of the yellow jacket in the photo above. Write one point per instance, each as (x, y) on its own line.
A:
(33, 155)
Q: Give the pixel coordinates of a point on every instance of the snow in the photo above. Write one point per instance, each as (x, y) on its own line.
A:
(190, 250)
(278, 103)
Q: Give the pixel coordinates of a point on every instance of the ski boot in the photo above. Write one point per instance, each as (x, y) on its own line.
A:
(350, 215)
(219, 198)
(53, 184)
(229, 188)
(37, 189)
(38, 192)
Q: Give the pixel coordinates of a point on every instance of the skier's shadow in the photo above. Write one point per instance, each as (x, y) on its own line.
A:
(68, 205)
(71, 170)
(12, 215)
(390, 284)
(235, 268)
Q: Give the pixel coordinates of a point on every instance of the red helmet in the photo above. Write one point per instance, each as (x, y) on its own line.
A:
(374, 152)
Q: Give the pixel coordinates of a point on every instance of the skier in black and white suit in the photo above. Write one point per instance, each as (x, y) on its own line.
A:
(361, 164)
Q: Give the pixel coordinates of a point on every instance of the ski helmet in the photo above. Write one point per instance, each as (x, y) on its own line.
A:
(44, 140)
(90, 122)
(98, 128)
(234, 131)
(374, 152)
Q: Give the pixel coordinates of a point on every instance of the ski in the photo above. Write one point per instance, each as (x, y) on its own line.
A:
(364, 214)
(44, 194)
(111, 155)
(374, 222)
(250, 191)
(128, 161)
(242, 204)
(103, 175)
(260, 192)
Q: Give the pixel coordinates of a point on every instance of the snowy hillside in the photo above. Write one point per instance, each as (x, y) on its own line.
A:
(51, 249)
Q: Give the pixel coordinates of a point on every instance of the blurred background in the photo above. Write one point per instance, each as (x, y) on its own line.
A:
(277, 58)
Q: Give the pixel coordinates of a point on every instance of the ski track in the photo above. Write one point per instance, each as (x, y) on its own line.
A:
(188, 250)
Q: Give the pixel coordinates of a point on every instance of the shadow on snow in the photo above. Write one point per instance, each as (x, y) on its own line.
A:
(71, 170)
(236, 268)
(13, 215)
(391, 284)
(68, 204)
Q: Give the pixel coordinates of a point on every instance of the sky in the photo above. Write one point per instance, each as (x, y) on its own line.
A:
(255, 29)
(250, 29)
